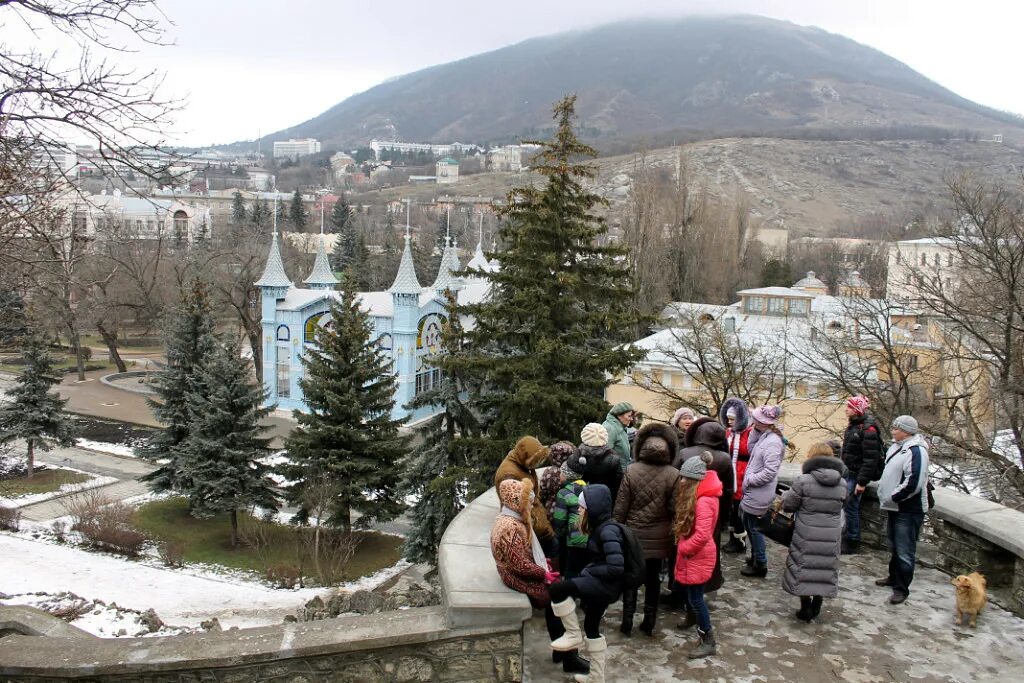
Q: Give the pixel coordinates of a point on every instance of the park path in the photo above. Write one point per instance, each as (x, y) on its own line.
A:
(47, 510)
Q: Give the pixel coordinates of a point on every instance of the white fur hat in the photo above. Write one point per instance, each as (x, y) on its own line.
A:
(594, 434)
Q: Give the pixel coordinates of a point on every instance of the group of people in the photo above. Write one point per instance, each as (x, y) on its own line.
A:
(671, 495)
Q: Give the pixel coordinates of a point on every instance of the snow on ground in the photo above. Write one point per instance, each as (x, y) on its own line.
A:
(94, 616)
(91, 483)
(124, 450)
(180, 599)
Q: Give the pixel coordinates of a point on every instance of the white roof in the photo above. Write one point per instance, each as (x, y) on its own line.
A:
(776, 291)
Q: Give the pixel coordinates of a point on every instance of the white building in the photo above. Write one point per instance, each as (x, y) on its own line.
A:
(447, 171)
(121, 217)
(295, 148)
(508, 158)
(379, 146)
(909, 260)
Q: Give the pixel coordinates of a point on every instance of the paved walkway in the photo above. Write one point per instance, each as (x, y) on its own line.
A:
(859, 637)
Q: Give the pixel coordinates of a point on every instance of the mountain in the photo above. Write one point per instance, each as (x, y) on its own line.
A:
(694, 78)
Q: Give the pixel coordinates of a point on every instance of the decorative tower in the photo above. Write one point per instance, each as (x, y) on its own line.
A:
(479, 261)
(274, 285)
(321, 277)
(446, 278)
(405, 298)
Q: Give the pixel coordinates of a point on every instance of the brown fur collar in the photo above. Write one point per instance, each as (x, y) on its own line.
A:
(661, 430)
(824, 462)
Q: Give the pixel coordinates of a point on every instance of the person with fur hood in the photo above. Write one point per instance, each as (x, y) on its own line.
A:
(759, 482)
(735, 416)
(644, 504)
(706, 435)
(521, 463)
(817, 497)
(696, 517)
(598, 585)
(521, 563)
(596, 461)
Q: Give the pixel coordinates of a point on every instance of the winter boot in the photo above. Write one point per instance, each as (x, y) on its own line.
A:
(707, 646)
(850, 546)
(650, 618)
(597, 648)
(628, 610)
(816, 606)
(572, 639)
(883, 582)
(571, 662)
(689, 619)
(805, 613)
(755, 570)
(735, 544)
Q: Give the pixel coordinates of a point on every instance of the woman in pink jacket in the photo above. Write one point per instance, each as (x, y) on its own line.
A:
(695, 521)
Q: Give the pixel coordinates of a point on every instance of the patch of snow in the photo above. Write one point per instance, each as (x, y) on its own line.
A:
(124, 450)
(373, 580)
(94, 616)
(91, 483)
(1004, 445)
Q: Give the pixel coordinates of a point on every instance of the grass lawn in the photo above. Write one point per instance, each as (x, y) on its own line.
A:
(62, 364)
(42, 482)
(209, 541)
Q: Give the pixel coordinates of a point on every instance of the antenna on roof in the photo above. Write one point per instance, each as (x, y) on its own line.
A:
(448, 227)
(408, 205)
(322, 202)
(275, 213)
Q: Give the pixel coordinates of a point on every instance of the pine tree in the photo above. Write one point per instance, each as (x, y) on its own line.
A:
(189, 341)
(348, 435)
(550, 335)
(238, 213)
(438, 470)
(220, 456)
(33, 411)
(342, 225)
(261, 216)
(297, 215)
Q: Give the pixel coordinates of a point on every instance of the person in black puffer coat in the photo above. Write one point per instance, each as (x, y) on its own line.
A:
(599, 584)
(595, 460)
(862, 451)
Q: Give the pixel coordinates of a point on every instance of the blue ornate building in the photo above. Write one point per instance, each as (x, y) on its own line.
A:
(406, 319)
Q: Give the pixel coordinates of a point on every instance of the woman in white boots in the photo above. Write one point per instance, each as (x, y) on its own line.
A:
(598, 585)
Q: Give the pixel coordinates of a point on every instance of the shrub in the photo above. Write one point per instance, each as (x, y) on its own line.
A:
(172, 553)
(106, 524)
(284, 575)
(118, 539)
(59, 530)
(10, 518)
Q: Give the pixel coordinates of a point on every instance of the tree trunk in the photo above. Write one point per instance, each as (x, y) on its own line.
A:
(31, 456)
(234, 528)
(76, 343)
(110, 339)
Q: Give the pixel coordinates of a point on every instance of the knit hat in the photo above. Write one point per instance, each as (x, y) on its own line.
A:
(907, 423)
(767, 414)
(731, 412)
(858, 404)
(680, 414)
(620, 408)
(595, 434)
(694, 468)
(559, 453)
(569, 472)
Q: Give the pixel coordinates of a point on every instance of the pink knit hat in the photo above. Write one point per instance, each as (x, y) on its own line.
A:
(680, 414)
(767, 414)
(858, 404)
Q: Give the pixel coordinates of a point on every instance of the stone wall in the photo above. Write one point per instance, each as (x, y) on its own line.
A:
(961, 534)
(476, 635)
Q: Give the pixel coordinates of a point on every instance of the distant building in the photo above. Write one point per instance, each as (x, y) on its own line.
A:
(910, 259)
(508, 158)
(774, 240)
(293, 149)
(342, 165)
(146, 218)
(379, 146)
(447, 171)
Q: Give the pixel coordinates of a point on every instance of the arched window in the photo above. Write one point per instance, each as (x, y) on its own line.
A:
(309, 329)
(283, 333)
(385, 342)
(428, 338)
(180, 225)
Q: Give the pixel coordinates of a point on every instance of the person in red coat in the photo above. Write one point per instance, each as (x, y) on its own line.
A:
(696, 518)
(735, 417)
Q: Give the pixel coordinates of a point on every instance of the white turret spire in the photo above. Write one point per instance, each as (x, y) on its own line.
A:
(406, 281)
(321, 277)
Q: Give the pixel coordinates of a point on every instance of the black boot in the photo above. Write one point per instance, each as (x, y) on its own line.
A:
(805, 612)
(628, 610)
(735, 545)
(850, 546)
(571, 662)
(689, 619)
(755, 570)
(650, 618)
(816, 606)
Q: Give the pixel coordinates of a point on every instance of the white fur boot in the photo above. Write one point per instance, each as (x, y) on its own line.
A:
(597, 650)
(572, 639)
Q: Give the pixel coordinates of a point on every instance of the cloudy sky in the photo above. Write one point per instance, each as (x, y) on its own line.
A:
(245, 67)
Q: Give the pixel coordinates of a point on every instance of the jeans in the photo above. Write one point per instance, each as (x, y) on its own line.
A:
(903, 530)
(758, 545)
(852, 510)
(593, 610)
(695, 597)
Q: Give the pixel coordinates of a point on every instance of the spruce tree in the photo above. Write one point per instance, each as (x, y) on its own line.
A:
(189, 340)
(438, 470)
(550, 335)
(220, 456)
(297, 215)
(348, 436)
(342, 224)
(238, 212)
(33, 411)
(261, 216)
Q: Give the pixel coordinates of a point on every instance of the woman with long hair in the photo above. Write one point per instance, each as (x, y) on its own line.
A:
(696, 517)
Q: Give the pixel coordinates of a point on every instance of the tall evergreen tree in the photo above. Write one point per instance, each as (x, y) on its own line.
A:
(221, 454)
(189, 341)
(238, 212)
(281, 213)
(33, 411)
(297, 215)
(550, 335)
(438, 470)
(342, 224)
(348, 435)
(260, 216)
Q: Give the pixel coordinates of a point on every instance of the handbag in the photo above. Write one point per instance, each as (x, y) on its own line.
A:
(777, 525)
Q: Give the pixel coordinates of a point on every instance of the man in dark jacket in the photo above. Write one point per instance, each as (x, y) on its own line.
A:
(862, 449)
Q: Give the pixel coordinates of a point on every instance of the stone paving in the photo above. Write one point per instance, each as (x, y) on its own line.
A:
(859, 637)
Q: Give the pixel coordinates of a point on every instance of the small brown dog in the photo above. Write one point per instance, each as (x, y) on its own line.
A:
(970, 597)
